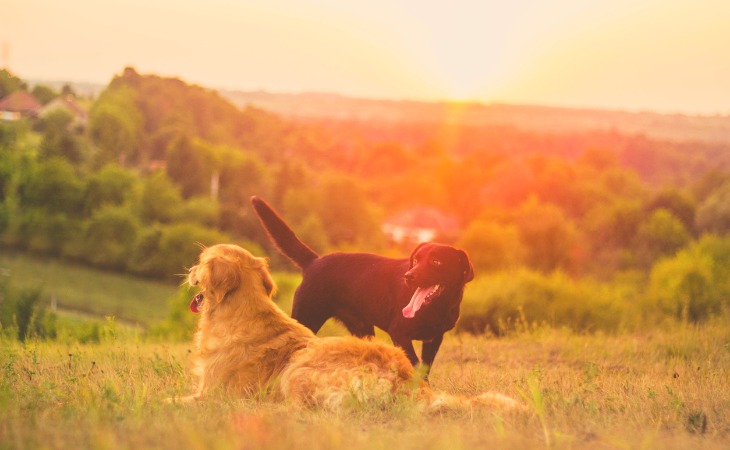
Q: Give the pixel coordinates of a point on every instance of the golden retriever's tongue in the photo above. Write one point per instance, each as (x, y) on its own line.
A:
(195, 303)
(419, 297)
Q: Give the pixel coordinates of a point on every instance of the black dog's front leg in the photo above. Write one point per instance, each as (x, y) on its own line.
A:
(428, 352)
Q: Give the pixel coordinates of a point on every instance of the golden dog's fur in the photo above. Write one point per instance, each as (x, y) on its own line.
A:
(246, 345)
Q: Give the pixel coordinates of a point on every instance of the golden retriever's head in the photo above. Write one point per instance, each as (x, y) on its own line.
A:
(225, 269)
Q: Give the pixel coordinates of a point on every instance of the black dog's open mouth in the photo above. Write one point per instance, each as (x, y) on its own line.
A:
(196, 303)
(422, 296)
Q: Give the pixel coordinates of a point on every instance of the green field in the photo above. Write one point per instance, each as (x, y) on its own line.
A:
(663, 387)
(664, 390)
(660, 389)
(81, 289)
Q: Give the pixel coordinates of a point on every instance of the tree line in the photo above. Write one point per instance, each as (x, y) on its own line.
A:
(163, 165)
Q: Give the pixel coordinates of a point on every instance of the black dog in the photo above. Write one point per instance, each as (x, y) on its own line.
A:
(411, 299)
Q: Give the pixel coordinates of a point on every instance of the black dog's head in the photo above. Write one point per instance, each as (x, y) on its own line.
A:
(433, 268)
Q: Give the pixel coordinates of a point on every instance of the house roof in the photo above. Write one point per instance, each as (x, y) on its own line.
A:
(424, 218)
(21, 102)
(66, 102)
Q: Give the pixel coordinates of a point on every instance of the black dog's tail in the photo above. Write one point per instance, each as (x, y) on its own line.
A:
(281, 235)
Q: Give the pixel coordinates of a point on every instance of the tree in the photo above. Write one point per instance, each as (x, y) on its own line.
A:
(113, 185)
(160, 199)
(188, 167)
(694, 284)
(347, 215)
(713, 214)
(43, 93)
(115, 126)
(108, 235)
(54, 187)
(9, 83)
(661, 235)
(491, 246)
(58, 140)
(548, 237)
(677, 202)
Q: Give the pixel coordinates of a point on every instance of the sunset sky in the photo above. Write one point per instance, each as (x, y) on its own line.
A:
(660, 55)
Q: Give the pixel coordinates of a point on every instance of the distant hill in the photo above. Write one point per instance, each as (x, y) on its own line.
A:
(672, 127)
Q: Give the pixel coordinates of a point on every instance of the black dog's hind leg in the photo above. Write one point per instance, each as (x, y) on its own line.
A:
(312, 320)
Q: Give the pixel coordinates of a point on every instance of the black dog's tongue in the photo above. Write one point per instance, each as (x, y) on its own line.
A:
(421, 297)
(196, 302)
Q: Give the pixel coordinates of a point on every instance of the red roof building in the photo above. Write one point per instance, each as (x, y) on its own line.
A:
(19, 104)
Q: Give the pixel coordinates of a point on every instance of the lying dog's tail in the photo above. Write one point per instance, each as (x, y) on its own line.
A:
(441, 401)
(281, 235)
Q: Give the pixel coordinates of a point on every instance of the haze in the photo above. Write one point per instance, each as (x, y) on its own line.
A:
(665, 56)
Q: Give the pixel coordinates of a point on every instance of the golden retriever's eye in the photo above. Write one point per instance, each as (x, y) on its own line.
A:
(436, 262)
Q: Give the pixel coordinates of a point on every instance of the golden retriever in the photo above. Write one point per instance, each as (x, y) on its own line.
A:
(246, 345)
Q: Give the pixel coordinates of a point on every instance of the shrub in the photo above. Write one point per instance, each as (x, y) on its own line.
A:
(108, 235)
(694, 284)
(20, 315)
(491, 246)
(499, 302)
(166, 251)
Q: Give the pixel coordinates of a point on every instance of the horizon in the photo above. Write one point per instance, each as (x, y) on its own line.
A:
(657, 56)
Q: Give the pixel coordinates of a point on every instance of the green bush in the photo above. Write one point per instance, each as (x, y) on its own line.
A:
(694, 284)
(165, 251)
(20, 315)
(108, 235)
(508, 300)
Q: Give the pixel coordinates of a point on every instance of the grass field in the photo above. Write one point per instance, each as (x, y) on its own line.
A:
(85, 290)
(80, 290)
(663, 389)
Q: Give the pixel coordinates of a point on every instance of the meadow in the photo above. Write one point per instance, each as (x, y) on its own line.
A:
(664, 388)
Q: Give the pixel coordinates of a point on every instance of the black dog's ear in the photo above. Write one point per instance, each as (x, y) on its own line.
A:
(468, 268)
(413, 253)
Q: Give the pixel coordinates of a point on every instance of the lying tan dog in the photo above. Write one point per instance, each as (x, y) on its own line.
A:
(246, 345)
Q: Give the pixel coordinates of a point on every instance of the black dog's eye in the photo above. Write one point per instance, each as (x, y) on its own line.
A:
(436, 262)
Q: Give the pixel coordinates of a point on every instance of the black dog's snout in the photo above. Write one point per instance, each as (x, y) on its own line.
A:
(409, 276)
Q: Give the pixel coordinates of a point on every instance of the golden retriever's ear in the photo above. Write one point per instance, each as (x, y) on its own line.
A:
(224, 276)
(267, 280)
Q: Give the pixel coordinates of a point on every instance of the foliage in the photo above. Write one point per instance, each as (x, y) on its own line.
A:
(713, 214)
(19, 312)
(492, 246)
(10, 83)
(112, 185)
(58, 138)
(115, 126)
(166, 164)
(695, 284)
(547, 236)
(107, 237)
(661, 235)
(521, 299)
(160, 200)
(43, 93)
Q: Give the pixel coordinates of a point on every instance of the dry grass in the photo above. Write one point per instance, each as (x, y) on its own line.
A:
(663, 389)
